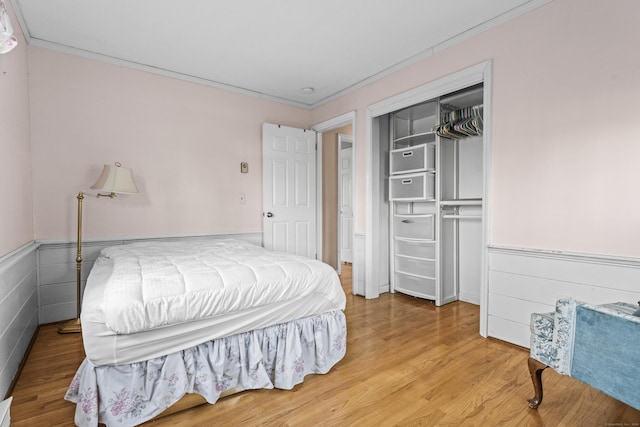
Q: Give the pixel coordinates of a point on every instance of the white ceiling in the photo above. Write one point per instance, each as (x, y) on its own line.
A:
(270, 48)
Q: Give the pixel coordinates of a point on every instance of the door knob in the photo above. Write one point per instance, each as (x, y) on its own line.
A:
(269, 215)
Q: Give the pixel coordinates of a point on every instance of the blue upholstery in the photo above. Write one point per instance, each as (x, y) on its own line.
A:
(596, 344)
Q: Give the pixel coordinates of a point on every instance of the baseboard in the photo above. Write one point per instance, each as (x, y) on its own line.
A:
(470, 297)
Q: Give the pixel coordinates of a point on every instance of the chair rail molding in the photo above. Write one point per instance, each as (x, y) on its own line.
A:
(525, 281)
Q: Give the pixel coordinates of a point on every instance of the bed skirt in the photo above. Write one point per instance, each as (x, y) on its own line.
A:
(276, 356)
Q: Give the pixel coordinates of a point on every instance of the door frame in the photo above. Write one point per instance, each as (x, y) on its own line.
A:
(334, 123)
(480, 73)
(344, 138)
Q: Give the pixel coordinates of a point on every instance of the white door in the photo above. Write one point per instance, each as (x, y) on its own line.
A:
(289, 189)
(345, 198)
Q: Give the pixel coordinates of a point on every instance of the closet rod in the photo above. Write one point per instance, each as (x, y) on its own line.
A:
(462, 216)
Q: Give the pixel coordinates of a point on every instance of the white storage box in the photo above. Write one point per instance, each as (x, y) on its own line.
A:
(419, 227)
(415, 266)
(416, 186)
(413, 159)
(416, 249)
(415, 286)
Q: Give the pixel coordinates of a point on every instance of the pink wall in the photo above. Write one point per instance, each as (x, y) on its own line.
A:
(183, 141)
(565, 128)
(16, 208)
(564, 175)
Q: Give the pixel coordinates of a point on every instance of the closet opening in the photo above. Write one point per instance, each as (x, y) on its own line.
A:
(426, 234)
(435, 198)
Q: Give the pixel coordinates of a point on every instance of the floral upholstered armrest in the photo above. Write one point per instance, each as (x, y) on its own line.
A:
(563, 334)
(552, 335)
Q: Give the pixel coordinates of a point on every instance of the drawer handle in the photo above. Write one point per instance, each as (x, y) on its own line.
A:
(407, 181)
(407, 154)
(407, 221)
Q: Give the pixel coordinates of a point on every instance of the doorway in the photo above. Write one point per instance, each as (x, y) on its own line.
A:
(330, 234)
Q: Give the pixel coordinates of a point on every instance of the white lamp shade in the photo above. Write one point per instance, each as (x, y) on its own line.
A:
(116, 179)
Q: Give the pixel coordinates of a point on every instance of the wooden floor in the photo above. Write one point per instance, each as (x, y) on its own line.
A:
(408, 363)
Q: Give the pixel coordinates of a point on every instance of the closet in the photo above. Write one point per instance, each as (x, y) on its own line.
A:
(435, 192)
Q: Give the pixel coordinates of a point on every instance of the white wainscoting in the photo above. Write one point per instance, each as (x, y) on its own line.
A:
(523, 281)
(57, 270)
(18, 310)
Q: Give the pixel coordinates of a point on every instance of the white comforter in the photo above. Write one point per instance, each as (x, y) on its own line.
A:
(155, 285)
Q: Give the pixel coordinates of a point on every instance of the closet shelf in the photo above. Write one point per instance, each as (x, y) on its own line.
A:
(463, 98)
(461, 202)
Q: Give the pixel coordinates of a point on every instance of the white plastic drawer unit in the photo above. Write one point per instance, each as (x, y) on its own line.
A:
(413, 159)
(416, 227)
(416, 286)
(415, 267)
(415, 248)
(415, 186)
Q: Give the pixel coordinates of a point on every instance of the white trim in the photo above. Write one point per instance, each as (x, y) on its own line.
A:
(442, 86)
(319, 204)
(371, 220)
(255, 237)
(344, 138)
(479, 73)
(487, 214)
(569, 256)
(16, 255)
(524, 281)
(334, 123)
(498, 20)
(505, 17)
(162, 72)
(358, 264)
(5, 409)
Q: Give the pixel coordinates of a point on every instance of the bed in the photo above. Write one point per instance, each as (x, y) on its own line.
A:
(165, 320)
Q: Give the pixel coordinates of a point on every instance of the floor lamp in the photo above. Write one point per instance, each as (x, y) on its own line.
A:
(114, 180)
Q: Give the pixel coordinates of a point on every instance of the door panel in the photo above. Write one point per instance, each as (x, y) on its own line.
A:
(289, 189)
(345, 190)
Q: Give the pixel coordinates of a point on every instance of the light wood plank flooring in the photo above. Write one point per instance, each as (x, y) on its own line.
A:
(408, 363)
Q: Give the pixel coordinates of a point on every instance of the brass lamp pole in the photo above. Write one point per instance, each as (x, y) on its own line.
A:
(74, 326)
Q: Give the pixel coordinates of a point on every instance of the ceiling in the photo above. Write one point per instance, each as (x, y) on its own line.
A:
(269, 48)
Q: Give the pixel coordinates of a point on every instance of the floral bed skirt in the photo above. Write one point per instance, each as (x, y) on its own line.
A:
(276, 356)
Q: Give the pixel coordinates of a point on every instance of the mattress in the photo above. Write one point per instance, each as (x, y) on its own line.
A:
(145, 300)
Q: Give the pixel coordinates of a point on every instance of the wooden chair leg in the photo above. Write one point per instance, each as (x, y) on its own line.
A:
(535, 370)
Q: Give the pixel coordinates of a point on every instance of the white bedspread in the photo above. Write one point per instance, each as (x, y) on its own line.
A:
(159, 284)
